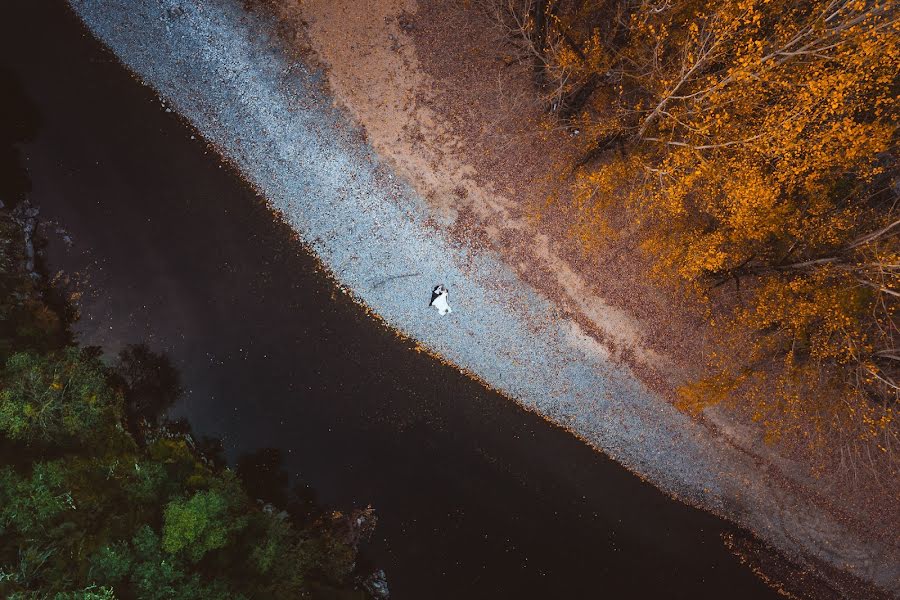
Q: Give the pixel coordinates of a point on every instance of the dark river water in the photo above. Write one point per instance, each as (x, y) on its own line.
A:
(476, 498)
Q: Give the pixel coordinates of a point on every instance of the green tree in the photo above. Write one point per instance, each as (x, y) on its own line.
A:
(57, 397)
(29, 505)
(91, 592)
(199, 524)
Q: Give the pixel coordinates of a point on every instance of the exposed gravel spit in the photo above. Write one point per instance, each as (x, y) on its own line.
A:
(223, 70)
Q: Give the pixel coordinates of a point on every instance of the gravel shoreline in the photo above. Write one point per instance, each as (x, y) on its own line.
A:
(222, 70)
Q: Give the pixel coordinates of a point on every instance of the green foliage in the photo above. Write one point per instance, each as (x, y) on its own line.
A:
(91, 592)
(146, 482)
(99, 517)
(29, 505)
(112, 563)
(152, 523)
(150, 572)
(199, 524)
(57, 397)
(272, 544)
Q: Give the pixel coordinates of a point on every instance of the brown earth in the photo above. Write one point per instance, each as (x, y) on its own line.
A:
(440, 98)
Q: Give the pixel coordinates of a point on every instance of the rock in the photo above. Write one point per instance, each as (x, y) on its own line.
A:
(26, 216)
(376, 585)
(406, 22)
(355, 528)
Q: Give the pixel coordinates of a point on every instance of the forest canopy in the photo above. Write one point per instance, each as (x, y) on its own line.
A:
(752, 144)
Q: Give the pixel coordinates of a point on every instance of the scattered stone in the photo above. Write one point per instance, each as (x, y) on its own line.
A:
(26, 216)
(376, 585)
(355, 528)
(406, 22)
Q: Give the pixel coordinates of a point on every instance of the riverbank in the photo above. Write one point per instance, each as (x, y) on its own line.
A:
(172, 249)
(459, 117)
(260, 112)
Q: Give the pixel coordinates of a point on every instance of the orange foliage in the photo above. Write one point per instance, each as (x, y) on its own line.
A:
(756, 143)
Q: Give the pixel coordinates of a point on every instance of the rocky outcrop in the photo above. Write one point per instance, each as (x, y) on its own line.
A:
(26, 216)
(376, 585)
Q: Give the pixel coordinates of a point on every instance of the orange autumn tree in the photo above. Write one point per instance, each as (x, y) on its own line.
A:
(754, 142)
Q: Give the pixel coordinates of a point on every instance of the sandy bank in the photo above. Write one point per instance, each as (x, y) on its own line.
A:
(266, 113)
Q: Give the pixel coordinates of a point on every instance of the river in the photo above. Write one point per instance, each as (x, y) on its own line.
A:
(476, 497)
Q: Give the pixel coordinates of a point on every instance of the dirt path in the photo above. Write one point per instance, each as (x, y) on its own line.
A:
(429, 132)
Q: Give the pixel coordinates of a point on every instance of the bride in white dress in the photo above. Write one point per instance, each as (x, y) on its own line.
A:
(439, 297)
